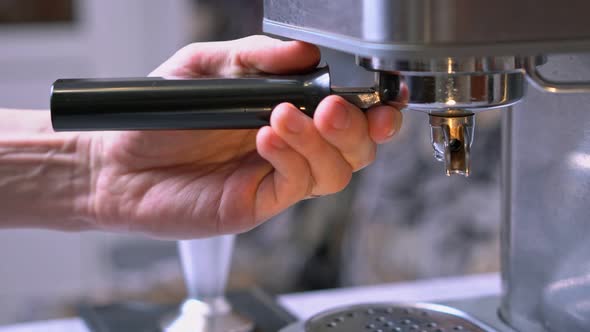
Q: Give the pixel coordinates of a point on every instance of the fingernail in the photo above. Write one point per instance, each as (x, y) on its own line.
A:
(296, 124)
(341, 119)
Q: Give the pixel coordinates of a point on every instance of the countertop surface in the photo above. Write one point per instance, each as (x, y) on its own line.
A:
(304, 305)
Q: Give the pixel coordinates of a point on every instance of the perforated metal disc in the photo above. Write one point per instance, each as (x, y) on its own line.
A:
(394, 318)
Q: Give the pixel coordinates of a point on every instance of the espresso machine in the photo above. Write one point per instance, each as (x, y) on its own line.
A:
(456, 58)
(460, 57)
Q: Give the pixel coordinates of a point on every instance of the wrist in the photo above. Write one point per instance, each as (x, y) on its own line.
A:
(45, 177)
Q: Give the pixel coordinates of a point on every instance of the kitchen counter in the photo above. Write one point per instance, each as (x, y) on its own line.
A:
(304, 305)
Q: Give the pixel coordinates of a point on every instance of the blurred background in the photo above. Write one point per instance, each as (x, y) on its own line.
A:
(400, 219)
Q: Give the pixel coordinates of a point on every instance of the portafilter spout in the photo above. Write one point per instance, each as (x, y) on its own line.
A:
(451, 137)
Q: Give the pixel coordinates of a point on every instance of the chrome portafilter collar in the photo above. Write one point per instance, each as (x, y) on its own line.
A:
(451, 90)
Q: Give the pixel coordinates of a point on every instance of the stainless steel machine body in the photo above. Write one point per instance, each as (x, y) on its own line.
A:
(458, 57)
(389, 29)
(546, 197)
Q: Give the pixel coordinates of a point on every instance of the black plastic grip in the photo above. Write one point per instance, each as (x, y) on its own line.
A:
(204, 103)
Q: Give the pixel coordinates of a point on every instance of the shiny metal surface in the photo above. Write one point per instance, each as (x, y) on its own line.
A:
(541, 82)
(484, 309)
(546, 252)
(451, 138)
(472, 83)
(546, 230)
(364, 98)
(448, 65)
(450, 89)
(385, 90)
(214, 315)
(451, 54)
(473, 92)
(425, 28)
(546, 247)
(393, 317)
(206, 265)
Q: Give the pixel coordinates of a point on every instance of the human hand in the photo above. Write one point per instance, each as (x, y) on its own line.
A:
(188, 184)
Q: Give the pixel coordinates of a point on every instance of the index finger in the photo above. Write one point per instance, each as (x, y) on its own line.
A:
(252, 54)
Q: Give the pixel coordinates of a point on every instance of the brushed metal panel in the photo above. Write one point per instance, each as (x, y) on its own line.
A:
(441, 27)
(546, 247)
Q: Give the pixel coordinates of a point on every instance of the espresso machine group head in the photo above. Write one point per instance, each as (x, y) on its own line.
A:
(451, 90)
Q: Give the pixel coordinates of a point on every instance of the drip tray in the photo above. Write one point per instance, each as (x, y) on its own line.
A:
(392, 318)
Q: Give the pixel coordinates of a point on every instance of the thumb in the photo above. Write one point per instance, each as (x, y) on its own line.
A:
(254, 54)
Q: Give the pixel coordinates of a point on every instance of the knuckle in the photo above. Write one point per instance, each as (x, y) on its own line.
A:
(260, 38)
(254, 41)
(188, 50)
(283, 105)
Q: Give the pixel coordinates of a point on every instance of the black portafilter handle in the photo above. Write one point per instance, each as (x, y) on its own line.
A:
(203, 103)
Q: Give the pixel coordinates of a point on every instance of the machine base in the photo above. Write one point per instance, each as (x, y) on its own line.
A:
(254, 305)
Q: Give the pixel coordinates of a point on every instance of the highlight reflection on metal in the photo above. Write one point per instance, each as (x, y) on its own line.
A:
(542, 83)
(213, 316)
(385, 90)
(451, 138)
(580, 160)
(474, 92)
(471, 83)
(451, 89)
(449, 65)
(362, 98)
